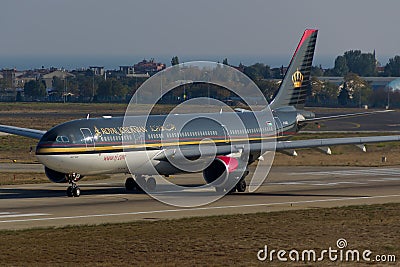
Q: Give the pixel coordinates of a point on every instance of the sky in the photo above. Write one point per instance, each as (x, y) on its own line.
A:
(78, 33)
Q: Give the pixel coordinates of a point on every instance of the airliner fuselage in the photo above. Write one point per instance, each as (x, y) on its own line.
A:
(101, 145)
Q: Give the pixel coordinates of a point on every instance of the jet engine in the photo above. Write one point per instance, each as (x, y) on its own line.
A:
(59, 177)
(55, 176)
(220, 169)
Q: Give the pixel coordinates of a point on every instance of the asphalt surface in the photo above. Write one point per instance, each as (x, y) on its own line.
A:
(106, 201)
(383, 122)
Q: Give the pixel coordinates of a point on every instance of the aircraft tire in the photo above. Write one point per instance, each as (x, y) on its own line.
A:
(241, 186)
(141, 183)
(233, 190)
(151, 184)
(130, 184)
(76, 191)
(70, 192)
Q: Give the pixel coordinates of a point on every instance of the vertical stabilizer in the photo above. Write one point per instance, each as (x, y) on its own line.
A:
(293, 89)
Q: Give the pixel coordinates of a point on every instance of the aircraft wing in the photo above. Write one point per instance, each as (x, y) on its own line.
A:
(31, 133)
(282, 145)
(194, 152)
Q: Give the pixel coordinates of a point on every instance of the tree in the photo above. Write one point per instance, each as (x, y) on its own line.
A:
(258, 71)
(86, 86)
(317, 71)
(268, 88)
(358, 89)
(34, 89)
(118, 89)
(268, 72)
(3, 83)
(343, 97)
(174, 61)
(392, 68)
(105, 88)
(111, 88)
(323, 92)
(363, 64)
(18, 98)
(367, 65)
(341, 68)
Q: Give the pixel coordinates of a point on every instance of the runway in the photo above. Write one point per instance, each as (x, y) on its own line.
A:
(387, 122)
(106, 201)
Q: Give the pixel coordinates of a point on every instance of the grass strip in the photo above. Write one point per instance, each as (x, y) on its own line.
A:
(217, 240)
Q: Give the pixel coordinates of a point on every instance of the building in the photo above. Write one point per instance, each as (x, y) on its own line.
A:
(49, 78)
(148, 67)
(9, 77)
(97, 71)
(127, 70)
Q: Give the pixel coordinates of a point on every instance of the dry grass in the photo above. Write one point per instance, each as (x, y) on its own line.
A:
(22, 178)
(219, 240)
(17, 148)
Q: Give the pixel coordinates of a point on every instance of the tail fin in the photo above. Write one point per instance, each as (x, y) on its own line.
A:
(293, 89)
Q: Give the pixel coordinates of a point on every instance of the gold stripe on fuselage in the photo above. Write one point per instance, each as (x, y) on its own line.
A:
(47, 150)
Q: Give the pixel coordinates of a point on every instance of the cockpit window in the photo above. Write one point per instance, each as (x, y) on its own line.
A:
(62, 139)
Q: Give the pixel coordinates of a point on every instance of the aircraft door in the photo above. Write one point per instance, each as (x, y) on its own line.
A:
(279, 127)
(225, 132)
(88, 138)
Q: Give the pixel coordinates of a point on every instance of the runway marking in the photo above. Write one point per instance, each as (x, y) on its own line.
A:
(15, 215)
(322, 183)
(197, 209)
(369, 172)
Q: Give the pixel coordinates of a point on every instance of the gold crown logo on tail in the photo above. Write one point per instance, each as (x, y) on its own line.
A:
(297, 79)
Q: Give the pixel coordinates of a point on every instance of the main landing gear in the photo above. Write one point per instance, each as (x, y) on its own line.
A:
(140, 184)
(73, 190)
(239, 187)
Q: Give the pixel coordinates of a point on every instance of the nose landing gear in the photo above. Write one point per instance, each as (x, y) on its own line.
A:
(73, 190)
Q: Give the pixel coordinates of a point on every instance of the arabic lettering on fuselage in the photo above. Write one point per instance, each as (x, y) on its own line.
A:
(133, 129)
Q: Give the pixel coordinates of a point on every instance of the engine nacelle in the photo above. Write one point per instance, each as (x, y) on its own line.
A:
(59, 177)
(55, 176)
(218, 171)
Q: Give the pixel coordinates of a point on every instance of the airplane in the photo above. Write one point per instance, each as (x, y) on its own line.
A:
(92, 146)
